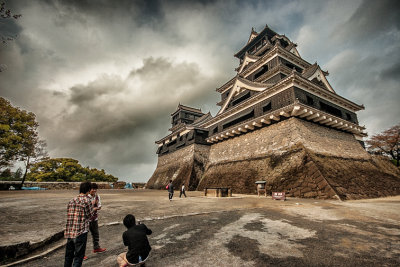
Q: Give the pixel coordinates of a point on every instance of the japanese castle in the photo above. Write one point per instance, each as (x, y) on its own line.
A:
(279, 120)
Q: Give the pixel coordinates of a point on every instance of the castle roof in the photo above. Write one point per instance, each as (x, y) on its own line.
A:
(252, 41)
(187, 108)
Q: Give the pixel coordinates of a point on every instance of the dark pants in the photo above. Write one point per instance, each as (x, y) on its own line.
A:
(75, 250)
(94, 230)
(170, 195)
(182, 192)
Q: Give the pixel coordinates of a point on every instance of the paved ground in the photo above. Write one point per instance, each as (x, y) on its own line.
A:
(239, 231)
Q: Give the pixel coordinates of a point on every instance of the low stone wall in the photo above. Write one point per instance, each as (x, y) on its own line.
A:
(5, 185)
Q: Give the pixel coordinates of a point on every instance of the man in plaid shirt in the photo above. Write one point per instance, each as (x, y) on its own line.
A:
(80, 210)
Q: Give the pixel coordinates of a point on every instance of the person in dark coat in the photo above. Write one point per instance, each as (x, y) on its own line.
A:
(135, 238)
(170, 188)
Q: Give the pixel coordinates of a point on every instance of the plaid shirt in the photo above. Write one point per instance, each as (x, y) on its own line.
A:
(79, 212)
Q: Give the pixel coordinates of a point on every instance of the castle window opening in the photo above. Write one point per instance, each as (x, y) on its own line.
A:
(330, 109)
(239, 120)
(240, 99)
(310, 101)
(267, 107)
(261, 72)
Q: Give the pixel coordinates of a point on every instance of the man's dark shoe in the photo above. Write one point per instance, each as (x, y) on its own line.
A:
(99, 250)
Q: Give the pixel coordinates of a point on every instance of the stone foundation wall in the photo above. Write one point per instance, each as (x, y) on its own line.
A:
(294, 156)
(302, 159)
(280, 137)
(184, 166)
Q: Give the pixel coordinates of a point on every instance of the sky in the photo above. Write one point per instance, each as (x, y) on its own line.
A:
(103, 77)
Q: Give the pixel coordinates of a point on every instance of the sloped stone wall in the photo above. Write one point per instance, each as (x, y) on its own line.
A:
(358, 178)
(301, 158)
(184, 166)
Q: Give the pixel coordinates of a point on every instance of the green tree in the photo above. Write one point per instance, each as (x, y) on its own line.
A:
(386, 143)
(6, 14)
(66, 169)
(19, 139)
(6, 174)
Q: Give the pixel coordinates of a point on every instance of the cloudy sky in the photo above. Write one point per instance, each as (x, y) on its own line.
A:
(103, 77)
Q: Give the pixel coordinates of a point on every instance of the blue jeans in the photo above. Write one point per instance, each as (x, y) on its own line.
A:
(75, 250)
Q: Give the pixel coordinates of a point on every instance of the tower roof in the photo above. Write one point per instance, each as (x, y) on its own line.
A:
(256, 37)
(190, 109)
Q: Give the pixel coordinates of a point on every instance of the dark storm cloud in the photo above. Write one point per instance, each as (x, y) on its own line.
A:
(142, 12)
(81, 94)
(119, 118)
(371, 20)
(392, 72)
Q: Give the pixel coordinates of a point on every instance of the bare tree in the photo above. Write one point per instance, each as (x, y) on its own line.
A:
(6, 14)
(386, 143)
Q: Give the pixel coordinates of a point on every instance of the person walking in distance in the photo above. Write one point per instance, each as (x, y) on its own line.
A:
(182, 191)
(170, 188)
(94, 225)
(79, 213)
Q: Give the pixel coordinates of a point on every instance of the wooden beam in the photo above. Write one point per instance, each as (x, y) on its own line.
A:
(273, 117)
(326, 121)
(285, 114)
(309, 113)
(265, 121)
(302, 111)
(242, 129)
(295, 110)
(337, 125)
(320, 118)
(250, 127)
(229, 134)
(235, 132)
(256, 124)
(313, 116)
(332, 122)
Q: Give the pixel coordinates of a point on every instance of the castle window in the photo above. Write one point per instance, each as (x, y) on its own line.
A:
(171, 143)
(310, 101)
(261, 72)
(330, 109)
(267, 107)
(239, 120)
(240, 99)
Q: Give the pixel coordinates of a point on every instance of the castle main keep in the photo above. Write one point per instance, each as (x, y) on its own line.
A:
(279, 121)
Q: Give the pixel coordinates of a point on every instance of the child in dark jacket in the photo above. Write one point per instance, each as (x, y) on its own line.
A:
(136, 240)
